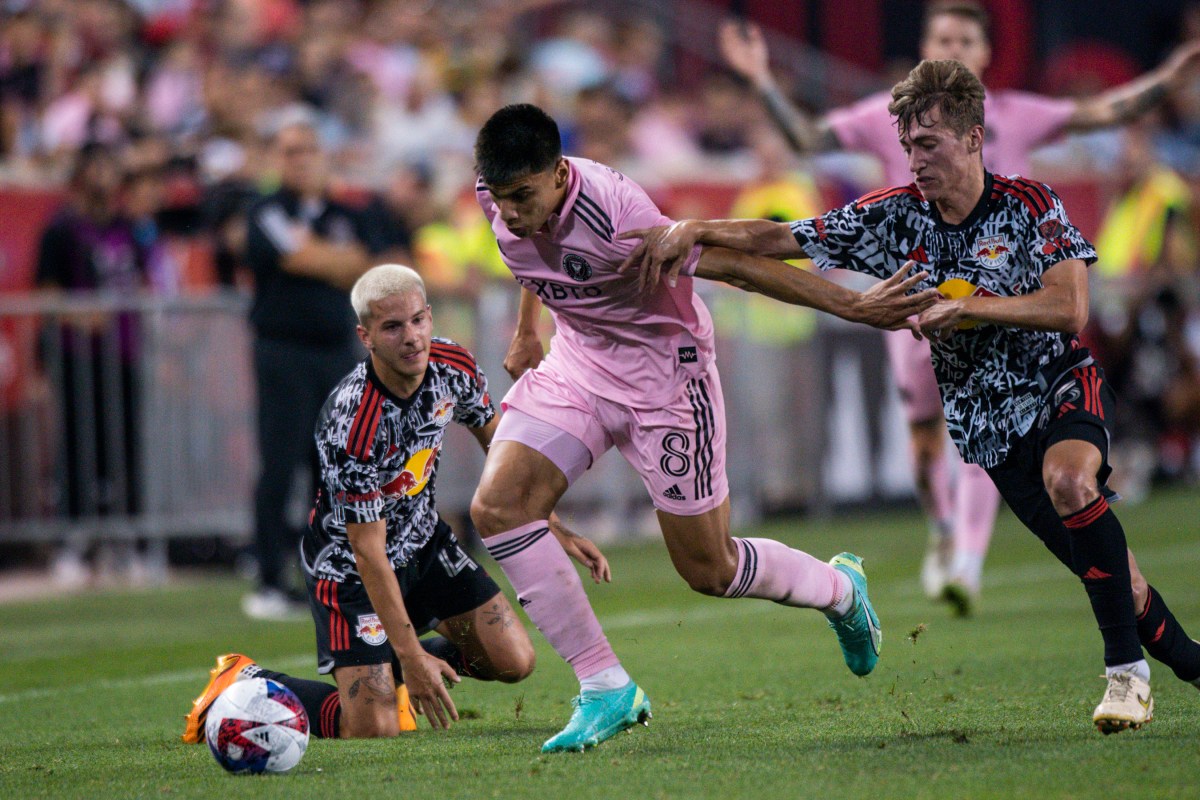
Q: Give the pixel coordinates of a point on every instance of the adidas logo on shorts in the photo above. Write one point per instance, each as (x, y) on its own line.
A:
(673, 493)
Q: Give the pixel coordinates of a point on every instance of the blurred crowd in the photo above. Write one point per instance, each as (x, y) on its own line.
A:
(185, 94)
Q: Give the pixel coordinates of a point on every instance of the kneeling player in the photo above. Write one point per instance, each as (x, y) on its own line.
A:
(380, 566)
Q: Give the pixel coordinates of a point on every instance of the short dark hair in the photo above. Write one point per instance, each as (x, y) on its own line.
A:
(516, 141)
(964, 9)
(946, 86)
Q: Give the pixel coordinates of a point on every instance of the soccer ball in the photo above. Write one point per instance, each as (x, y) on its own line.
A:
(257, 725)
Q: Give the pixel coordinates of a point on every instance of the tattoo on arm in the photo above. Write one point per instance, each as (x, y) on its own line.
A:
(1127, 108)
(784, 114)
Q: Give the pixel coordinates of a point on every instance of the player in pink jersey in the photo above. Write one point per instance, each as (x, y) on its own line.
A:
(631, 366)
(961, 515)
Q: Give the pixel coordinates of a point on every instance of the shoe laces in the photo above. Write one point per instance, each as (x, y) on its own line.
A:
(1120, 684)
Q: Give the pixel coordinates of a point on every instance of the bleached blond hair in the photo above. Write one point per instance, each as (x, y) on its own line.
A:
(383, 281)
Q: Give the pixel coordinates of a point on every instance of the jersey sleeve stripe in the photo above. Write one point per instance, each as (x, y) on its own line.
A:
(452, 348)
(461, 363)
(470, 370)
(1024, 195)
(454, 354)
(594, 207)
(883, 194)
(366, 423)
(1040, 202)
(1039, 190)
(1023, 198)
(596, 228)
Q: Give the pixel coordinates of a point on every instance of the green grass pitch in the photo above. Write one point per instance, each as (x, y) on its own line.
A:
(750, 699)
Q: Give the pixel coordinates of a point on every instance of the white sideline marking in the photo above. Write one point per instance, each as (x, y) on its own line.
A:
(157, 679)
(1016, 575)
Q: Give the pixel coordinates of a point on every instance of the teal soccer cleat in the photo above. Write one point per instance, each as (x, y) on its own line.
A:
(599, 716)
(859, 632)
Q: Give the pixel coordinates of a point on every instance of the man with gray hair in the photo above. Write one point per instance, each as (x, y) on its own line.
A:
(380, 566)
(306, 250)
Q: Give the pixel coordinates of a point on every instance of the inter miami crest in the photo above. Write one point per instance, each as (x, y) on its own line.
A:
(577, 267)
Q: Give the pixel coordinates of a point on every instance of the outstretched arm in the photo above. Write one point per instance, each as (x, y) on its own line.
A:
(1060, 305)
(1130, 100)
(745, 51)
(886, 305)
(668, 247)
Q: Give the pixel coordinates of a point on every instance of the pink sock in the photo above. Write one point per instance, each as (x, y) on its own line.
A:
(975, 507)
(773, 571)
(940, 500)
(549, 589)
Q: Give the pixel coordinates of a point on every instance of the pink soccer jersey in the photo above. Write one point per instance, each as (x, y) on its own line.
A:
(1016, 124)
(633, 349)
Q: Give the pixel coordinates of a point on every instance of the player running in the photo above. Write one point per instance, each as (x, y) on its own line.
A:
(1022, 397)
(380, 566)
(631, 369)
(961, 516)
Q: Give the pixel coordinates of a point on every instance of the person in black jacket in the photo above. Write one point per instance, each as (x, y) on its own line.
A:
(305, 250)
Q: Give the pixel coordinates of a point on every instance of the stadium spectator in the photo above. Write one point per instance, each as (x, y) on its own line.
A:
(91, 249)
(305, 250)
(1147, 267)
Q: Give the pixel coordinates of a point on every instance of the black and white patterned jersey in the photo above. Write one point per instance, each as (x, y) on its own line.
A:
(993, 379)
(379, 456)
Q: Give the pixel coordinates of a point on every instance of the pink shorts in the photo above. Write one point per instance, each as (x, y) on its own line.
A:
(678, 450)
(912, 370)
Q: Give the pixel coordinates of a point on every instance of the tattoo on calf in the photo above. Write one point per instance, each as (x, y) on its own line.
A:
(378, 684)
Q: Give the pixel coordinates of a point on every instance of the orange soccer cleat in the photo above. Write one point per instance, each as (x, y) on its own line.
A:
(228, 670)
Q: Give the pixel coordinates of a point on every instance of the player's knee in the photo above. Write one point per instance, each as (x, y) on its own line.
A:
(1070, 488)
(489, 516)
(375, 724)
(516, 664)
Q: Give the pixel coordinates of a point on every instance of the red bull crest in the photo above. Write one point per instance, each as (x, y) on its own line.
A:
(992, 251)
(370, 629)
(443, 411)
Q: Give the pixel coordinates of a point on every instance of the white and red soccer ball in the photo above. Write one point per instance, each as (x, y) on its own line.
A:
(257, 725)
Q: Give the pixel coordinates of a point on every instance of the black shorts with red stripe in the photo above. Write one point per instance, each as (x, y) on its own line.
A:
(1079, 407)
(441, 581)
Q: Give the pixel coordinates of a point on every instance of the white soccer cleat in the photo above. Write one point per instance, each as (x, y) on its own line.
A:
(1127, 704)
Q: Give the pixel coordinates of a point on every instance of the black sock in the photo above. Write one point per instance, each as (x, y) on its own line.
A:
(1100, 559)
(320, 700)
(1164, 638)
(446, 650)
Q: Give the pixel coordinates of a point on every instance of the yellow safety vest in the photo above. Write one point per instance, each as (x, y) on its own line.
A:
(1134, 230)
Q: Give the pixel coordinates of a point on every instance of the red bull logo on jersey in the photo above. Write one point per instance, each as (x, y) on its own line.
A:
(992, 251)
(956, 288)
(443, 411)
(415, 475)
(370, 629)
